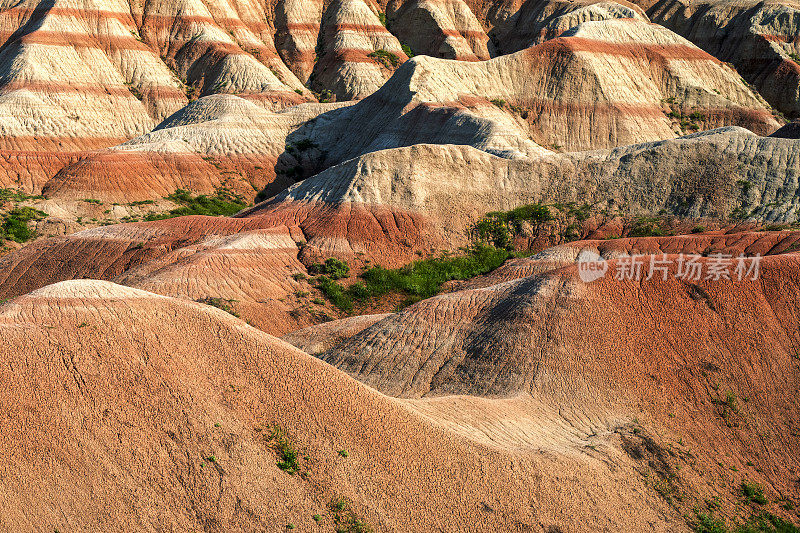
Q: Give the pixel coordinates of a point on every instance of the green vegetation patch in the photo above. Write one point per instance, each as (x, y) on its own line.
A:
(332, 268)
(761, 523)
(498, 227)
(388, 59)
(223, 203)
(16, 195)
(220, 303)
(286, 451)
(753, 493)
(15, 224)
(344, 519)
(417, 281)
(646, 227)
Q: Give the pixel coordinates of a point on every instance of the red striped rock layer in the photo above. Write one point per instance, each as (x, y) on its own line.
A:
(390, 206)
(220, 141)
(350, 35)
(758, 38)
(733, 244)
(248, 262)
(133, 176)
(82, 75)
(195, 258)
(451, 187)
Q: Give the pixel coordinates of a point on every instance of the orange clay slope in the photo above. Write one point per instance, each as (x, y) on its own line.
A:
(710, 366)
(128, 410)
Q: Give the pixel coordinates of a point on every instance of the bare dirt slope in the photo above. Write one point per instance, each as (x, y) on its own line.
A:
(137, 394)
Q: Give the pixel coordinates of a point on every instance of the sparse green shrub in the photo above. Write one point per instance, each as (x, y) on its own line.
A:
(407, 50)
(761, 523)
(767, 523)
(499, 102)
(388, 59)
(286, 450)
(491, 230)
(344, 519)
(708, 523)
(732, 401)
(646, 227)
(744, 185)
(335, 293)
(219, 303)
(753, 493)
(421, 279)
(15, 195)
(332, 267)
(498, 227)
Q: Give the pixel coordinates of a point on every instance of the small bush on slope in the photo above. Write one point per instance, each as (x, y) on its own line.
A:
(220, 303)
(332, 267)
(498, 227)
(388, 59)
(288, 454)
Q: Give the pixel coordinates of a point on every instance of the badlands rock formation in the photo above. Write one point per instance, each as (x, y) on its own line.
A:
(536, 22)
(148, 61)
(604, 84)
(217, 141)
(759, 38)
(390, 206)
(446, 29)
(356, 52)
(604, 425)
(415, 198)
(143, 388)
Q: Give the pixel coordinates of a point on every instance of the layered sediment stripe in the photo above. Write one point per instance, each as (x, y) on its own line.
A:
(164, 91)
(129, 176)
(683, 52)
